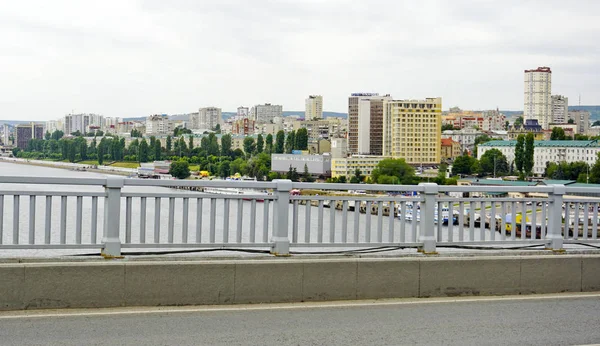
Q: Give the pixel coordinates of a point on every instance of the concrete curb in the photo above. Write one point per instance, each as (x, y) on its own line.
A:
(202, 282)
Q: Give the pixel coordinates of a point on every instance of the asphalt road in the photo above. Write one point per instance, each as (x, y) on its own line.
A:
(535, 320)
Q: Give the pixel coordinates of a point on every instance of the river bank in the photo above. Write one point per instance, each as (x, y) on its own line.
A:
(72, 166)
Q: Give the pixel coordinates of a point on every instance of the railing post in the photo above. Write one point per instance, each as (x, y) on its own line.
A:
(111, 243)
(280, 239)
(427, 225)
(554, 227)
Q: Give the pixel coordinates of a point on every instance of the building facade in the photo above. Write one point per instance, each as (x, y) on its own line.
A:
(581, 119)
(318, 165)
(207, 118)
(266, 113)
(347, 166)
(159, 124)
(412, 130)
(450, 149)
(81, 122)
(365, 123)
(243, 126)
(313, 107)
(26, 132)
(560, 109)
(547, 151)
(538, 96)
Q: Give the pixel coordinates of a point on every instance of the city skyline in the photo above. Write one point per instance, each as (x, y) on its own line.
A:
(133, 59)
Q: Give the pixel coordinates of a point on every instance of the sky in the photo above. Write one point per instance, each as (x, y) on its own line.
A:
(136, 58)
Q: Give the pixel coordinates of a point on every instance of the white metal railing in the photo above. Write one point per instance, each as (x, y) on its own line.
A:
(114, 213)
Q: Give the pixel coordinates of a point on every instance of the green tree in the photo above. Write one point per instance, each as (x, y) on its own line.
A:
(179, 169)
(213, 145)
(279, 142)
(269, 143)
(217, 128)
(463, 165)
(249, 146)
(57, 134)
(493, 162)
(224, 169)
(595, 171)
(144, 151)
(558, 134)
(260, 143)
(47, 136)
(302, 139)
(226, 145)
(191, 143)
(290, 142)
(478, 140)
(169, 145)
(306, 176)
(518, 122)
(571, 121)
(519, 153)
(101, 151)
(447, 127)
(393, 171)
(157, 150)
(528, 159)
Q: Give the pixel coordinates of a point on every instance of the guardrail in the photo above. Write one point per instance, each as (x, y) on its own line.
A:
(233, 214)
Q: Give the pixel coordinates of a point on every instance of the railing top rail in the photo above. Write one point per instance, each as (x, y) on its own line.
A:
(539, 189)
(364, 187)
(51, 180)
(201, 183)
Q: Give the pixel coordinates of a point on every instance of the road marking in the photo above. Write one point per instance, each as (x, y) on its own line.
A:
(288, 306)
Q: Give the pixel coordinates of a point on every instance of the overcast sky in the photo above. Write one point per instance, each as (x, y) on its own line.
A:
(135, 58)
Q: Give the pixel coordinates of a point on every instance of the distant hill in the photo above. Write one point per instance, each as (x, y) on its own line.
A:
(227, 115)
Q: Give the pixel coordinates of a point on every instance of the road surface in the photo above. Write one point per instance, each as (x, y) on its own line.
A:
(522, 320)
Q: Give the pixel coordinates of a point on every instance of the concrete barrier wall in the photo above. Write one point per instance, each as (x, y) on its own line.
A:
(153, 283)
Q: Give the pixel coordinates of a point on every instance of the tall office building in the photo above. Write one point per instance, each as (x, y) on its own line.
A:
(412, 130)
(264, 114)
(26, 132)
(365, 123)
(538, 96)
(314, 107)
(560, 109)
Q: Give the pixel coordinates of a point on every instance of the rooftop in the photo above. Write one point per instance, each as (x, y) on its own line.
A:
(550, 144)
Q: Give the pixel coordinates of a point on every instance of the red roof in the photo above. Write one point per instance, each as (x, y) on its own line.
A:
(446, 142)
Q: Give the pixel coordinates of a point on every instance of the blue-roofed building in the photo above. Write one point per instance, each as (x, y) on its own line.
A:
(548, 151)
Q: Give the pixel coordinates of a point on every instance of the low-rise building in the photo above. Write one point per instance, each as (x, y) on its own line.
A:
(547, 151)
(317, 165)
(450, 149)
(347, 166)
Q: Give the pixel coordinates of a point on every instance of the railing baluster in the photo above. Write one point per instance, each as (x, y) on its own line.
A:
(439, 224)
(356, 221)
(94, 225)
(523, 219)
(460, 219)
(379, 221)
(416, 216)
(513, 221)
(295, 222)
(472, 221)
(533, 220)
(594, 220)
(253, 221)
(391, 217)
(32, 219)
(48, 217)
(143, 220)
(171, 229)
(576, 222)
(307, 219)
(16, 199)
(402, 222)
(185, 221)
(157, 202)
(567, 220)
(368, 207)
(128, 213)
(585, 220)
(503, 221)
(1, 218)
(493, 221)
(240, 213)
(63, 219)
(79, 220)
(199, 202)
(226, 220)
(482, 219)
(320, 225)
(266, 221)
(543, 221)
(344, 221)
(213, 219)
(332, 221)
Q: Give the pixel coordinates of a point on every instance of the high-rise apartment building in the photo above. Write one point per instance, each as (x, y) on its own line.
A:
(560, 109)
(26, 132)
(243, 112)
(314, 107)
(55, 125)
(412, 130)
(5, 134)
(581, 119)
(538, 96)
(81, 122)
(365, 123)
(207, 118)
(159, 124)
(266, 113)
